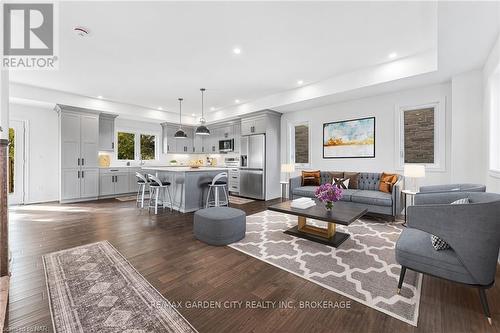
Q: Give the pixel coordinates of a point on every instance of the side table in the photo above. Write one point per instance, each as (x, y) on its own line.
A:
(411, 194)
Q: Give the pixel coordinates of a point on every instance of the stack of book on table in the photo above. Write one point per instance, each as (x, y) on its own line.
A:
(302, 203)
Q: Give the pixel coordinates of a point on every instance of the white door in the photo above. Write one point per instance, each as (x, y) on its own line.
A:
(89, 183)
(16, 163)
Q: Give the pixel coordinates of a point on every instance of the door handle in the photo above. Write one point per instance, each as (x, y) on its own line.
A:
(83, 161)
(78, 161)
(83, 174)
(78, 174)
(112, 145)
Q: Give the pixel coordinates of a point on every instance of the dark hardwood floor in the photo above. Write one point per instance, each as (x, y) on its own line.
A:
(163, 249)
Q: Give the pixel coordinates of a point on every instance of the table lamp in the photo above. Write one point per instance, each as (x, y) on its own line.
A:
(287, 169)
(413, 172)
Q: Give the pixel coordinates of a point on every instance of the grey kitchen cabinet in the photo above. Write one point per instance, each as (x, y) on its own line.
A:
(79, 141)
(132, 181)
(246, 126)
(168, 143)
(122, 183)
(114, 181)
(198, 144)
(237, 137)
(117, 181)
(70, 184)
(89, 180)
(254, 125)
(106, 184)
(89, 141)
(107, 132)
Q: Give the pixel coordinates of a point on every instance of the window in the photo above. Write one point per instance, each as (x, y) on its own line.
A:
(420, 135)
(126, 146)
(299, 144)
(494, 110)
(148, 143)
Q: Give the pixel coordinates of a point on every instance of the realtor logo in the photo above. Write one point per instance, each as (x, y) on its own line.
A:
(29, 36)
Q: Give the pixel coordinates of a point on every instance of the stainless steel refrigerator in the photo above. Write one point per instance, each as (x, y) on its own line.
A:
(253, 166)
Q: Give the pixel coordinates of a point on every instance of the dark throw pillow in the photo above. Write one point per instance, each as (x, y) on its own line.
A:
(311, 178)
(353, 179)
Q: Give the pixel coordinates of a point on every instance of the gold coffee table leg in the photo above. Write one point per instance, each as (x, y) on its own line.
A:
(327, 232)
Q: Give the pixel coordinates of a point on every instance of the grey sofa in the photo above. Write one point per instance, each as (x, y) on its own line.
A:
(472, 231)
(452, 188)
(366, 196)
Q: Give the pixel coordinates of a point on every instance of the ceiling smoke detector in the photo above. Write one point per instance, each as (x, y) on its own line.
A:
(81, 31)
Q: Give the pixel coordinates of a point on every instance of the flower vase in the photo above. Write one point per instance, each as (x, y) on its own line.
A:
(329, 205)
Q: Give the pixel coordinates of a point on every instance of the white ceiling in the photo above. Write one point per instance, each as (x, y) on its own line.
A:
(151, 53)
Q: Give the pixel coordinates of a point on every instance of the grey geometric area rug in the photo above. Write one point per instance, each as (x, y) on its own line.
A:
(363, 268)
(93, 288)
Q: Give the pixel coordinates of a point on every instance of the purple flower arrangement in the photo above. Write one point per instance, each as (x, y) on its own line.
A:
(328, 193)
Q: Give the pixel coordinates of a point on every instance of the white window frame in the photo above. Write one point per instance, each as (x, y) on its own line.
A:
(157, 145)
(439, 164)
(494, 117)
(137, 143)
(291, 140)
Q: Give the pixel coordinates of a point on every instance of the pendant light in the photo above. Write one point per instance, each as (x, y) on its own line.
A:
(202, 129)
(180, 134)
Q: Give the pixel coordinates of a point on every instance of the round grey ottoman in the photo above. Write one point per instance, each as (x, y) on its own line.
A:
(219, 225)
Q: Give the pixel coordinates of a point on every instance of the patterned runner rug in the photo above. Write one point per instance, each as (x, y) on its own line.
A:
(363, 268)
(93, 288)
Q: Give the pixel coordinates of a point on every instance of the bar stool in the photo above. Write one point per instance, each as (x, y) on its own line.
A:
(142, 181)
(214, 187)
(157, 190)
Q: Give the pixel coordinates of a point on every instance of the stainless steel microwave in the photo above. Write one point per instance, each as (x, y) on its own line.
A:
(226, 145)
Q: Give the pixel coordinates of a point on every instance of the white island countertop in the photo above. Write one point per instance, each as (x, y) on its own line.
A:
(183, 168)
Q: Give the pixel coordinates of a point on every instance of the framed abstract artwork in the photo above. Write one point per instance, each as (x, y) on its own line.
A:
(349, 138)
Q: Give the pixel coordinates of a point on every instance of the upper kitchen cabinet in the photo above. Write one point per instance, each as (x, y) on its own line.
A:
(168, 142)
(107, 132)
(254, 125)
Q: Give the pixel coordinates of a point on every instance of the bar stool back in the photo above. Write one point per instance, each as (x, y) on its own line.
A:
(218, 182)
(142, 181)
(157, 190)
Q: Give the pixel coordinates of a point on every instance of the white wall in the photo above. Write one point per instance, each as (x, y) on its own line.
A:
(42, 181)
(468, 151)
(492, 65)
(383, 107)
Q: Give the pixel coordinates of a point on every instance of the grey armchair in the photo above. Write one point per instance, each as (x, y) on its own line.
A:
(472, 231)
(452, 188)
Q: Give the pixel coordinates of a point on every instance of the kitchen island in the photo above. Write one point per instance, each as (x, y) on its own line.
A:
(188, 185)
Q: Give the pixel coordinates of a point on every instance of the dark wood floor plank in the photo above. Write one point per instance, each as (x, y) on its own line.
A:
(162, 248)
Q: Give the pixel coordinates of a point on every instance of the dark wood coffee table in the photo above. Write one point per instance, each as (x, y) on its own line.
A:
(342, 213)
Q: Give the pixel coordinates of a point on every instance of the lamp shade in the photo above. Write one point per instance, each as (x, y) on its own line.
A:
(288, 168)
(414, 171)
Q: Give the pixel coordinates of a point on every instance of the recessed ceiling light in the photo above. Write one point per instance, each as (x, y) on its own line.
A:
(100, 97)
(236, 50)
(393, 55)
(193, 114)
(160, 108)
(300, 82)
(236, 101)
(212, 108)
